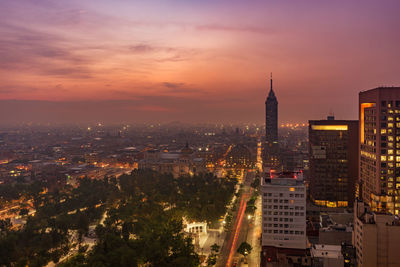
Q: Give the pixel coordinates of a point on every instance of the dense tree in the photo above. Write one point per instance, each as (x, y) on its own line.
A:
(256, 183)
(211, 260)
(244, 249)
(215, 248)
(143, 223)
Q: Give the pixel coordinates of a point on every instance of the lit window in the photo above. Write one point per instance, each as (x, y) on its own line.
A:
(330, 127)
(383, 131)
(383, 158)
(390, 151)
(291, 189)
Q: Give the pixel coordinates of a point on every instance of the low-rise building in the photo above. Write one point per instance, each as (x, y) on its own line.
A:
(177, 163)
(327, 256)
(376, 237)
(335, 228)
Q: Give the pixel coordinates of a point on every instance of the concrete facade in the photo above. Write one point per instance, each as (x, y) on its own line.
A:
(375, 237)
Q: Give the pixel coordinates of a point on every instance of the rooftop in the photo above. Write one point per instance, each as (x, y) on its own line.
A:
(326, 251)
(283, 178)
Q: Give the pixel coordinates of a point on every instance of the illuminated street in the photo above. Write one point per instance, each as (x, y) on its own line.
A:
(243, 230)
(253, 237)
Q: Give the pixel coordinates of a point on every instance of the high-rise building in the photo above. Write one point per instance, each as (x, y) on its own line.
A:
(333, 151)
(283, 218)
(271, 148)
(379, 174)
(284, 210)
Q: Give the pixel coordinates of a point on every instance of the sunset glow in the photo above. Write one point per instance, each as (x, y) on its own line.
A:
(192, 60)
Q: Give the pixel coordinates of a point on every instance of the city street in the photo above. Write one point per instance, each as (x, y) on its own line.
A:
(245, 229)
(253, 237)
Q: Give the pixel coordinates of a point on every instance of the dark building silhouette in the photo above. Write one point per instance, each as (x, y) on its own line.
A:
(333, 155)
(271, 148)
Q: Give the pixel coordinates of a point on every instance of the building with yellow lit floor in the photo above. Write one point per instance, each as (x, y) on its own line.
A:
(333, 157)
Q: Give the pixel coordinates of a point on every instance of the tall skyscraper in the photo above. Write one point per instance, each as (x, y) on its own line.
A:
(379, 175)
(271, 148)
(333, 151)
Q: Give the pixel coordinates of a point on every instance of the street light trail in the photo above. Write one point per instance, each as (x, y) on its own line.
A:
(238, 224)
(236, 221)
(237, 231)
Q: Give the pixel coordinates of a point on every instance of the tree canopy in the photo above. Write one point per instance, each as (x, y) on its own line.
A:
(143, 221)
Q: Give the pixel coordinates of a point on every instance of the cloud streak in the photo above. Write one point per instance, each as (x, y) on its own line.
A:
(232, 28)
(24, 49)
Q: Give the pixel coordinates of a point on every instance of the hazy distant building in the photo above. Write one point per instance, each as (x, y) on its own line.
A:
(376, 237)
(178, 163)
(271, 148)
(240, 157)
(293, 160)
(333, 149)
(379, 175)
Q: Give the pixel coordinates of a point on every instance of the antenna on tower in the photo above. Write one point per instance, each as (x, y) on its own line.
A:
(331, 115)
(271, 81)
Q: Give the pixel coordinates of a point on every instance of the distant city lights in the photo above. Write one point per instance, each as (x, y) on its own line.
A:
(293, 125)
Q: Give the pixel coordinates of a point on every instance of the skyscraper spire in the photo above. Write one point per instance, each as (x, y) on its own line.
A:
(271, 90)
(271, 82)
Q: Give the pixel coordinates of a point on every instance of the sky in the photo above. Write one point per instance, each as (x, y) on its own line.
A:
(192, 60)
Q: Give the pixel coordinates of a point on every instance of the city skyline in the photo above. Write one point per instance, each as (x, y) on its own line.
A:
(163, 61)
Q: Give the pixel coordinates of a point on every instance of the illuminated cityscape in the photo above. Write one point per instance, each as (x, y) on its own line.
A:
(199, 133)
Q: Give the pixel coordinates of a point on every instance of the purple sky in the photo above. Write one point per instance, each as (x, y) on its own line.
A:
(192, 60)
